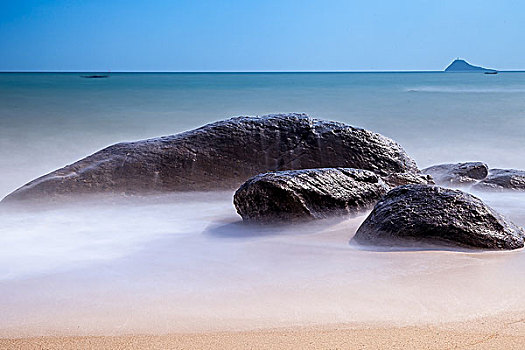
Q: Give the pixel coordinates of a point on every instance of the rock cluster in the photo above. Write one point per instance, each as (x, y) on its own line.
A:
(294, 167)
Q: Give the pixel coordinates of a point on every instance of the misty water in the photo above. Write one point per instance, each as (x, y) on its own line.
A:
(185, 262)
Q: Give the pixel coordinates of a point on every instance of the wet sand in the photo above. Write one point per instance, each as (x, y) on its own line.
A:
(499, 332)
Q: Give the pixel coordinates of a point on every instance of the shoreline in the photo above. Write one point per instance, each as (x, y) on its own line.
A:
(503, 331)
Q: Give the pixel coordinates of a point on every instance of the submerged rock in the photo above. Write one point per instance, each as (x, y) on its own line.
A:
(308, 194)
(457, 174)
(418, 214)
(503, 179)
(221, 155)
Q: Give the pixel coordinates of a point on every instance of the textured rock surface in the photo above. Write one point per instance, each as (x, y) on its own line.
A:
(399, 179)
(418, 214)
(308, 194)
(503, 179)
(222, 155)
(457, 174)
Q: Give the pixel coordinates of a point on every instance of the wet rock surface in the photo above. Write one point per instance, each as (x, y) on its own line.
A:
(308, 194)
(417, 215)
(399, 179)
(502, 179)
(458, 173)
(220, 156)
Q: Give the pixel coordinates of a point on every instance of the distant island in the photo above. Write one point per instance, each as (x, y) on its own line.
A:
(459, 65)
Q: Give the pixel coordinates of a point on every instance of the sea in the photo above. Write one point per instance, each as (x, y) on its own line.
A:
(184, 262)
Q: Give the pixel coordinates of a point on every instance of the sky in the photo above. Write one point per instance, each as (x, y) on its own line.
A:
(264, 35)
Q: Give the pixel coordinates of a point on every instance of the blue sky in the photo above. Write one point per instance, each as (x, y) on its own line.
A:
(235, 35)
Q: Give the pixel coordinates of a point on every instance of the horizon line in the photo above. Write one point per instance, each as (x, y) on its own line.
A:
(247, 71)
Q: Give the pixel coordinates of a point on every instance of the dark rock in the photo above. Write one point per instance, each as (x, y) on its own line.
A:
(457, 174)
(412, 215)
(503, 179)
(399, 179)
(308, 194)
(221, 155)
(463, 66)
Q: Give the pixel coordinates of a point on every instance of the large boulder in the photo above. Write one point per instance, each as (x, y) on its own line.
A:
(222, 155)
(457, 174)
(415, 215)
(503, 179)
(308, 194)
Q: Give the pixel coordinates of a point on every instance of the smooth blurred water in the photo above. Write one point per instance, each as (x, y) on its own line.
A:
(185, 262)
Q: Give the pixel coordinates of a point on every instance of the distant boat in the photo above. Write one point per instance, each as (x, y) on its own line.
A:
(491, 72)
(95, 76)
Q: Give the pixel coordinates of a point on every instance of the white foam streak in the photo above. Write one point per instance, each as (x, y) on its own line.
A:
(466, 90)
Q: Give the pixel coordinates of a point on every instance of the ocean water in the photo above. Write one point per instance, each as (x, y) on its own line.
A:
(184, 262)
(49, 120)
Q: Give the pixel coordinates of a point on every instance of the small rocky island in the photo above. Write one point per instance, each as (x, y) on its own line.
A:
(462, 66)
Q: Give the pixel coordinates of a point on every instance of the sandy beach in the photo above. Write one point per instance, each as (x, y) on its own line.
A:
(499, 332)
